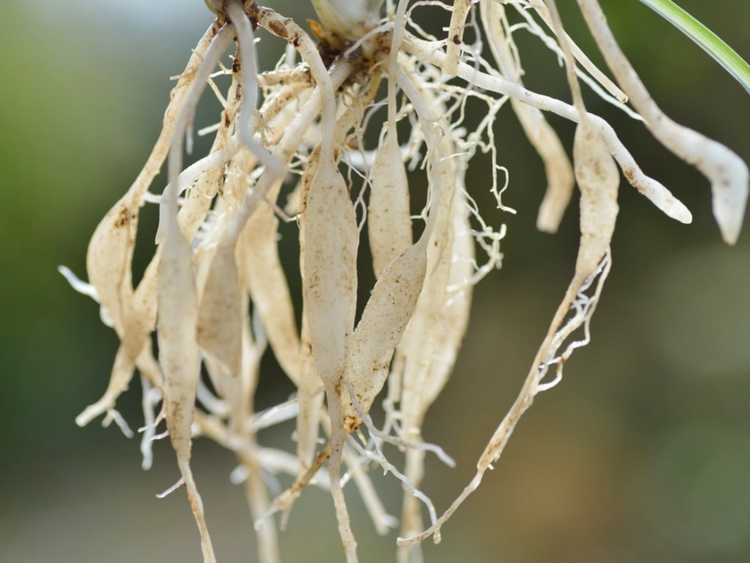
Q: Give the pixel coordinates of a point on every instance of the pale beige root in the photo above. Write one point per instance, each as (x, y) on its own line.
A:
(261, 269)
(287, 29)
(399, 29)
(584, 307)
(310, 391)
(550, 6)
(180, 362)
(395, 295)
(226, 270)
(448, 263)
(598, 179)
(220, 314)
(429, 345)
(141, 304)
(258, 269)
(541, 135)
(119, 380)
(282, 107)
(453, 317)
(532, 386)
(434, 335)
(108, 260)
(383, 322)
(298, 76)
(111, 248)
(596, 173)
(285, 501)
(726, 171)
(660, 196)
(338, 436)
(456, 36)
(280, 461)
(258, 500)
(388, 212)
(310, 385)
(329, 289)
(235, 222)
(310, 398)
(177, 320)
(411, 512)
(329, 238)
(220, 318)
(110, 251)
(255, 488)
(329, 281)
(150, 399)
(248, 205)
(382, 521)
(322, 97)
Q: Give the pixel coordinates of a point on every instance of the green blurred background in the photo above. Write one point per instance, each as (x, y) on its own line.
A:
(642, 454)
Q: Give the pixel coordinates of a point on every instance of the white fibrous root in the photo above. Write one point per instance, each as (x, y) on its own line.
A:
(316, 150)
(541, 135)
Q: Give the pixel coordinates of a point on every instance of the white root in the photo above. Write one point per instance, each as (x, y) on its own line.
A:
(150, 398)
(382, 521)
(580, 57)
(248, 113)
(541, 135)
(727, 173)
(279, 461)
(456, 35)
(659, 195)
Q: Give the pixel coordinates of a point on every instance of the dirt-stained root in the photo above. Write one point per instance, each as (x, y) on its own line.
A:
(319, 150)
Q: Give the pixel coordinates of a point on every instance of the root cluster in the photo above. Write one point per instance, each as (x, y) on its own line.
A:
(313, 141)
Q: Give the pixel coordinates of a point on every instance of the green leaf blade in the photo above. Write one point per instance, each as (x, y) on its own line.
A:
(706, 39)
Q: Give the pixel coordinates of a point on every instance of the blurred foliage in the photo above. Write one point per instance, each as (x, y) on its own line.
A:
(641, 454)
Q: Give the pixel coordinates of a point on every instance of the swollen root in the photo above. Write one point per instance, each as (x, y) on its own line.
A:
(727, 173)
(317, 150)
